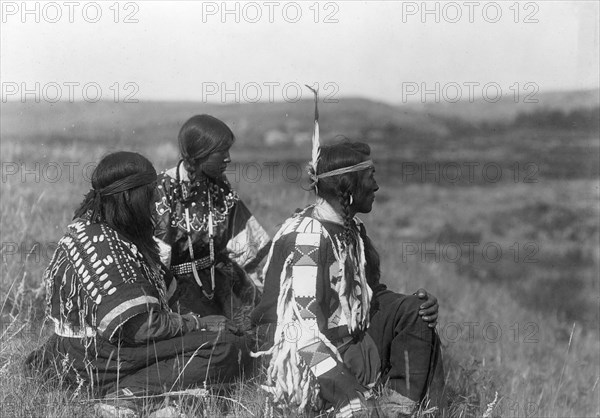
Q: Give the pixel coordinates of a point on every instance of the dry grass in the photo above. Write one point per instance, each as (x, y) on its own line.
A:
(545, 362)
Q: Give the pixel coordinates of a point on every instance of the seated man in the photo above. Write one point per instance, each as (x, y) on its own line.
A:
(336, 330)
(118, 327)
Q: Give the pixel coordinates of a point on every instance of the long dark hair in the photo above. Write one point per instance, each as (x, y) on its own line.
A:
(200, 136)
(346, 154)
(128, 212)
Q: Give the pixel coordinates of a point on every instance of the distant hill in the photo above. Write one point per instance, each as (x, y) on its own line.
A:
(272, 124)
(508, 107)
(156, 121)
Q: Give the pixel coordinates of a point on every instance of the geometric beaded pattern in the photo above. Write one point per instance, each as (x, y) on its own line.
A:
(307, 234)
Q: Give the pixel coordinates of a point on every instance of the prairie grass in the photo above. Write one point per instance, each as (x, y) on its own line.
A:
(520, 339)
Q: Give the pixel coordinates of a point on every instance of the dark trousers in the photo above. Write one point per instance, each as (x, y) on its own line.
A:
(410, 351)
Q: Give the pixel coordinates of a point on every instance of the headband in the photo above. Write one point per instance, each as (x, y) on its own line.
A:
(357, 167)
(126, 183)
(316, 152)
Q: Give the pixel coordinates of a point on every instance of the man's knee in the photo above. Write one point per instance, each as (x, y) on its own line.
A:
(410, 306)
(409, 318)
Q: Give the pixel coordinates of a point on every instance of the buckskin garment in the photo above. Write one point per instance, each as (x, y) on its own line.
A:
(335, 338)
(233, 246)
(118, 322)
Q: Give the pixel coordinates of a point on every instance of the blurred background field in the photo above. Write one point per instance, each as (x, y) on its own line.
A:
(492, 207)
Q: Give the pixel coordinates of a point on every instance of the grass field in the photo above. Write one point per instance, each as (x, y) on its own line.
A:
(514, 261)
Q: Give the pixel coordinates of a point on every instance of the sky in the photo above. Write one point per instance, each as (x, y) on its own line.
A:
(393, 51)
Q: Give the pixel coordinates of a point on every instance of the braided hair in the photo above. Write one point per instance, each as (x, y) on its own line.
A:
(200, 136)
(341, 187)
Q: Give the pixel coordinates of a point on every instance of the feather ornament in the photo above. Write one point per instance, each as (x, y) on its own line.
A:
(316, 145)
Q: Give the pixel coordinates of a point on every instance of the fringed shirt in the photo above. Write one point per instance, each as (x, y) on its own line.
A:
(317, 310)
(98, 283)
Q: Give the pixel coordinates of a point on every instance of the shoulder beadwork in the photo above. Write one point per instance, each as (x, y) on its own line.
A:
(300, 222)
(102, 248)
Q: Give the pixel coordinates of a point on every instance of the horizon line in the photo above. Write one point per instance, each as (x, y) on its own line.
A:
(414, 101)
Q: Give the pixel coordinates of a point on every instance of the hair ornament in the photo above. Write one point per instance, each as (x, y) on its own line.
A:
(356, 167)
(316, 145)
(316, 152)
(94, 196)
(126, 183)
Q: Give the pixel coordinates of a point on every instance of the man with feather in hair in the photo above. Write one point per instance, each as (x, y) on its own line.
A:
(337, 332)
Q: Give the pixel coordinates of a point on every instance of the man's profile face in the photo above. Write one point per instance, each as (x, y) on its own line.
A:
(364, 198)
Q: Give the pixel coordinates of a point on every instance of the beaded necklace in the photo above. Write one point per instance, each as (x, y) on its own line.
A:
(202, 193)
(214, 217)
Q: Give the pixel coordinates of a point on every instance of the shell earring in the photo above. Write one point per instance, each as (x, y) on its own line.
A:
(351, 199)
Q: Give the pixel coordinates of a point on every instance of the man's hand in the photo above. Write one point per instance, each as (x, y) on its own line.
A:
(428, 309)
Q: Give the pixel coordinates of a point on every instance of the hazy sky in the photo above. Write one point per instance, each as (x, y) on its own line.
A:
(184, 50)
